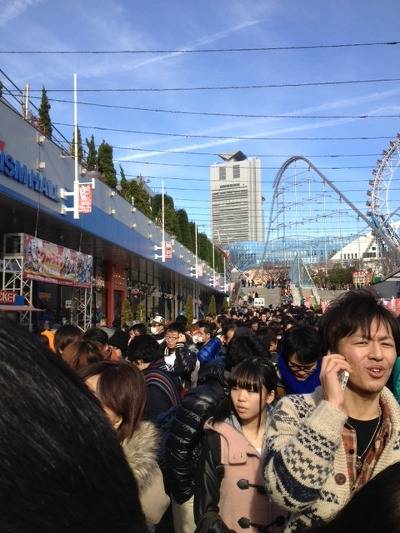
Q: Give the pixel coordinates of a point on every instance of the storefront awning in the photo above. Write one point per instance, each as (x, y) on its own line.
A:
(19, 309)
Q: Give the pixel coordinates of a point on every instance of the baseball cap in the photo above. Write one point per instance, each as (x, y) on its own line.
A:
(158, 319)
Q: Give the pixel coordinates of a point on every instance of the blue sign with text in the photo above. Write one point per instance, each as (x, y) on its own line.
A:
(19, 172)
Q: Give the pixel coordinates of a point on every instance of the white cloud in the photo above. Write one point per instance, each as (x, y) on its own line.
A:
(12, 9)
(335, 104)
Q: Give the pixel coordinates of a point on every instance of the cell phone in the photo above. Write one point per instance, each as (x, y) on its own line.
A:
(344, 378)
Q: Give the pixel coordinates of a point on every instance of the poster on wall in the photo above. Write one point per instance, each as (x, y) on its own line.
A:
(51, 263)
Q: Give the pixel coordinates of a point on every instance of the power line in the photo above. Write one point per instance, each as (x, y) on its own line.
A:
(230, 137)
(188, 165)
(203, 50)
(225, 87)
(217, 114)
(188, 152)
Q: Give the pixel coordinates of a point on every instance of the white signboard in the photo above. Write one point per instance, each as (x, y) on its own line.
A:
(259, 302)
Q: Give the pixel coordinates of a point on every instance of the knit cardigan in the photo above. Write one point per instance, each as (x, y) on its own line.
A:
(305, 461)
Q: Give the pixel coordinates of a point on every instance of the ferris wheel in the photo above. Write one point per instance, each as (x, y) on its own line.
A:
(384, 199)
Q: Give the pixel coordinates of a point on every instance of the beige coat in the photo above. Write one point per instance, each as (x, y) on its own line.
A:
(141, 454)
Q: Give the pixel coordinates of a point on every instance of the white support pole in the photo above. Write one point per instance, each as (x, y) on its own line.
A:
(213, 262)
(163, 222)
(76, 149)
(224, 273)
(26, 103)
(196, 250)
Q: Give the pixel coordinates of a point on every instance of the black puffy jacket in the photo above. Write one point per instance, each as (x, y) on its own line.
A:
(183, 444)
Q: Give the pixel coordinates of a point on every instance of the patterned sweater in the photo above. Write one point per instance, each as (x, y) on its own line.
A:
(305, 462)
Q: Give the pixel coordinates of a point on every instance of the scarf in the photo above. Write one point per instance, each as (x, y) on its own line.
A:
(293, 385)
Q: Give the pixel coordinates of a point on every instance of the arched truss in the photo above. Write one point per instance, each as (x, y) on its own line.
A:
(309, 215)
(383, 203)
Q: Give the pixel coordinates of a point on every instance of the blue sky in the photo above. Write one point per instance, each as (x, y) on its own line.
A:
(102, 24)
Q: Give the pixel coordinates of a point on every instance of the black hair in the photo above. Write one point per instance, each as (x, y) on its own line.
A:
(141, 328)
(207, 326)
(177, 326)
(304, 342)
(183, 320)
(251, 374)
(354, 310)
(227, 325)
(62, 468)
(64, 336)
(266, 335)
(244, 345)
(144, 347)
(97, 335)
(375, 507)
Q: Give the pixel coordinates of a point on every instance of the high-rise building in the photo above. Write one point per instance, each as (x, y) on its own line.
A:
(236, 199)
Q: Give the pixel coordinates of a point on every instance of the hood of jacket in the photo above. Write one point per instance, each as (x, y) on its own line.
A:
(212, 371)
(141, 453)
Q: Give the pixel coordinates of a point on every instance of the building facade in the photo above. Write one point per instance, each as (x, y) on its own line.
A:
(236, 199)
(123, 243)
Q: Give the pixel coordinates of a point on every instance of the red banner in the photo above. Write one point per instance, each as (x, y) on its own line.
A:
(168, 250)
(2, 145)
(85, 198)
(7, 297)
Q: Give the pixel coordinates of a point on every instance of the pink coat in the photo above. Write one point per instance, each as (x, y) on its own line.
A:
(241, 461)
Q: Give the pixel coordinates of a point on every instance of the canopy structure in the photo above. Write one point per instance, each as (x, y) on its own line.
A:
(19, 309)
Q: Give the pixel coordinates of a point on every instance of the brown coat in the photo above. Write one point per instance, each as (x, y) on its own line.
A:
(141, 454)
(241, 461)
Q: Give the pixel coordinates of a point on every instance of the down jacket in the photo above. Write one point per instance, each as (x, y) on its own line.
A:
(141, 454)
(183, 444)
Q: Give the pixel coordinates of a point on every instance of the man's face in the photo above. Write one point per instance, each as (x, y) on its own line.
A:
(371, 359)
(300, 370)
(203, 335)
(171, 338)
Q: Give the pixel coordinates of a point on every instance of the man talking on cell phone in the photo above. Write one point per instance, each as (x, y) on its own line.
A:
(324, 446)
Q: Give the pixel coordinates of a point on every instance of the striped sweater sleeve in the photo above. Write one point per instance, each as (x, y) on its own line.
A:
(300, 450)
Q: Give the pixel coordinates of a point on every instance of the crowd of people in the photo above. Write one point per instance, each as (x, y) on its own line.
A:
(276, 419)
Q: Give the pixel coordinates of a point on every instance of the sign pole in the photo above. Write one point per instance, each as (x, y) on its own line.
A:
(197, 259)
(163, 223)
(76, 149)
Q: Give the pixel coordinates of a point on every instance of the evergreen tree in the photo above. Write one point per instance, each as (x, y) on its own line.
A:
(126, 315)
(134, 189)
(225, 306)
(184, 228)
(192, 229)
(80, 147)
(123, 181)
(91, 161)
(105, 165)
(44, 115)
(139, 315)
(170, 218)
(212, 307)
(189, 309)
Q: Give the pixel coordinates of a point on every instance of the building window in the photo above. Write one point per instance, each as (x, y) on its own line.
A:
(222, 173)
(236, 172)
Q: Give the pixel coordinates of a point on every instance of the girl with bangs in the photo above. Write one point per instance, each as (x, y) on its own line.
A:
(229, 494)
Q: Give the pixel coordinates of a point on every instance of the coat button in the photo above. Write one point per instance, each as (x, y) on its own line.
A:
(340, 479)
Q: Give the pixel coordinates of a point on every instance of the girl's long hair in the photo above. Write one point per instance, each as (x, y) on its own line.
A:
(251, 374)
(121, 387)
